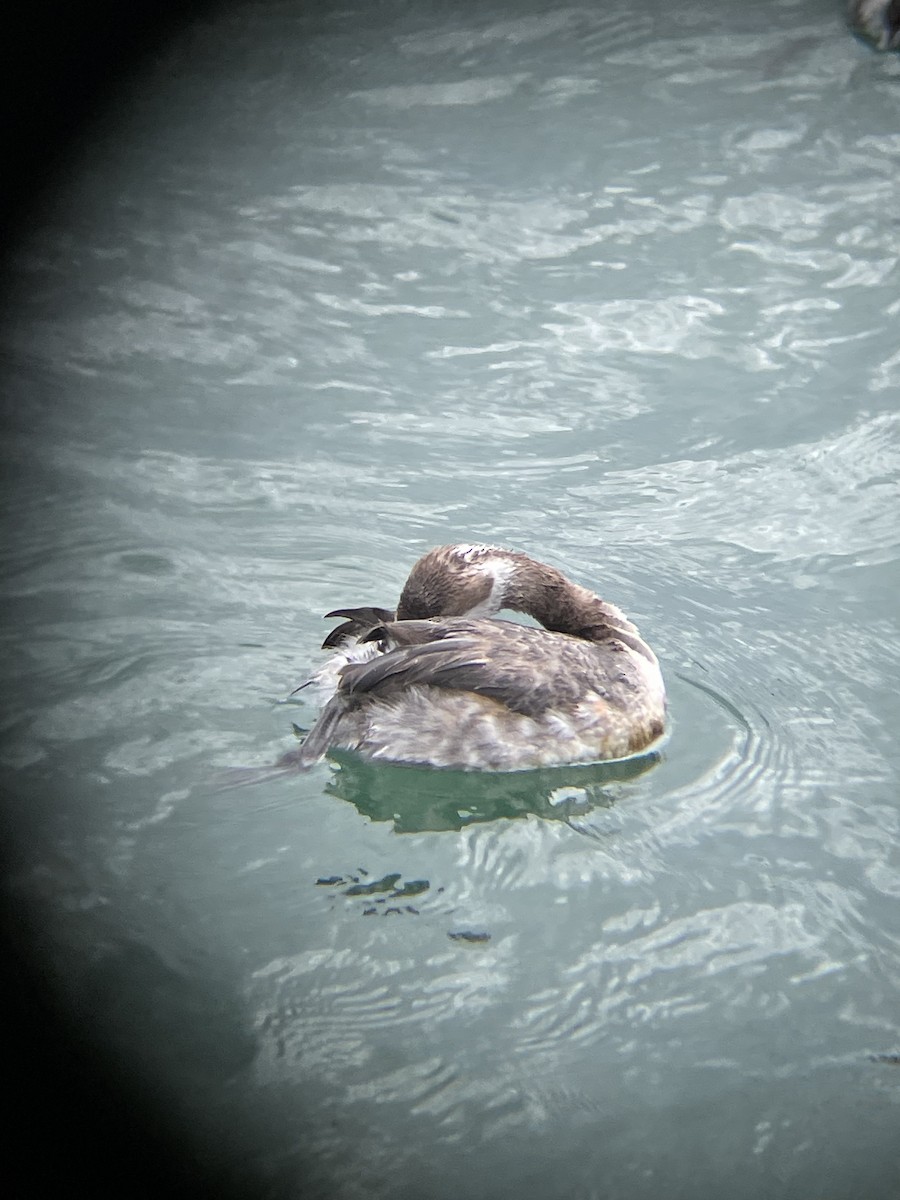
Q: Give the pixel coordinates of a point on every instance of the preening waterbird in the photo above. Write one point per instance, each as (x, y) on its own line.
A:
(442, 681)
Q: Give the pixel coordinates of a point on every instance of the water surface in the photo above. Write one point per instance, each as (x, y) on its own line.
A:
(619, 288)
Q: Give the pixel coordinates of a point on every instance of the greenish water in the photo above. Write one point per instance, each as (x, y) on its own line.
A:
(616, 287)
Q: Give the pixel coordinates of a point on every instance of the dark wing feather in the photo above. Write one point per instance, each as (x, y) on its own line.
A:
(527, 669)
(421, 661)
(394, 634)
(326, 731)
(435, 664)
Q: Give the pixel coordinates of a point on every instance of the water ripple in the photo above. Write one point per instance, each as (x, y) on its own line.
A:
(613, 285)
(834, 494)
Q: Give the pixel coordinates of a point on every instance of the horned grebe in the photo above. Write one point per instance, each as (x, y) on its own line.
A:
(440, 683)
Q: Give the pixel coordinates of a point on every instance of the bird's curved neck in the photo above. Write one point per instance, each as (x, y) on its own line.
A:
(565, 607)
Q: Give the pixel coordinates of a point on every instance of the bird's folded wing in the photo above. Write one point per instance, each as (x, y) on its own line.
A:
(503, 661)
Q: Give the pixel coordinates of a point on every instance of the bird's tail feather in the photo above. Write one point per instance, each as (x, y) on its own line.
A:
(323, 734)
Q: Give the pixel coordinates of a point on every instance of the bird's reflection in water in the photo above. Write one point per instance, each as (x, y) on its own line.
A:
(420, 799)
